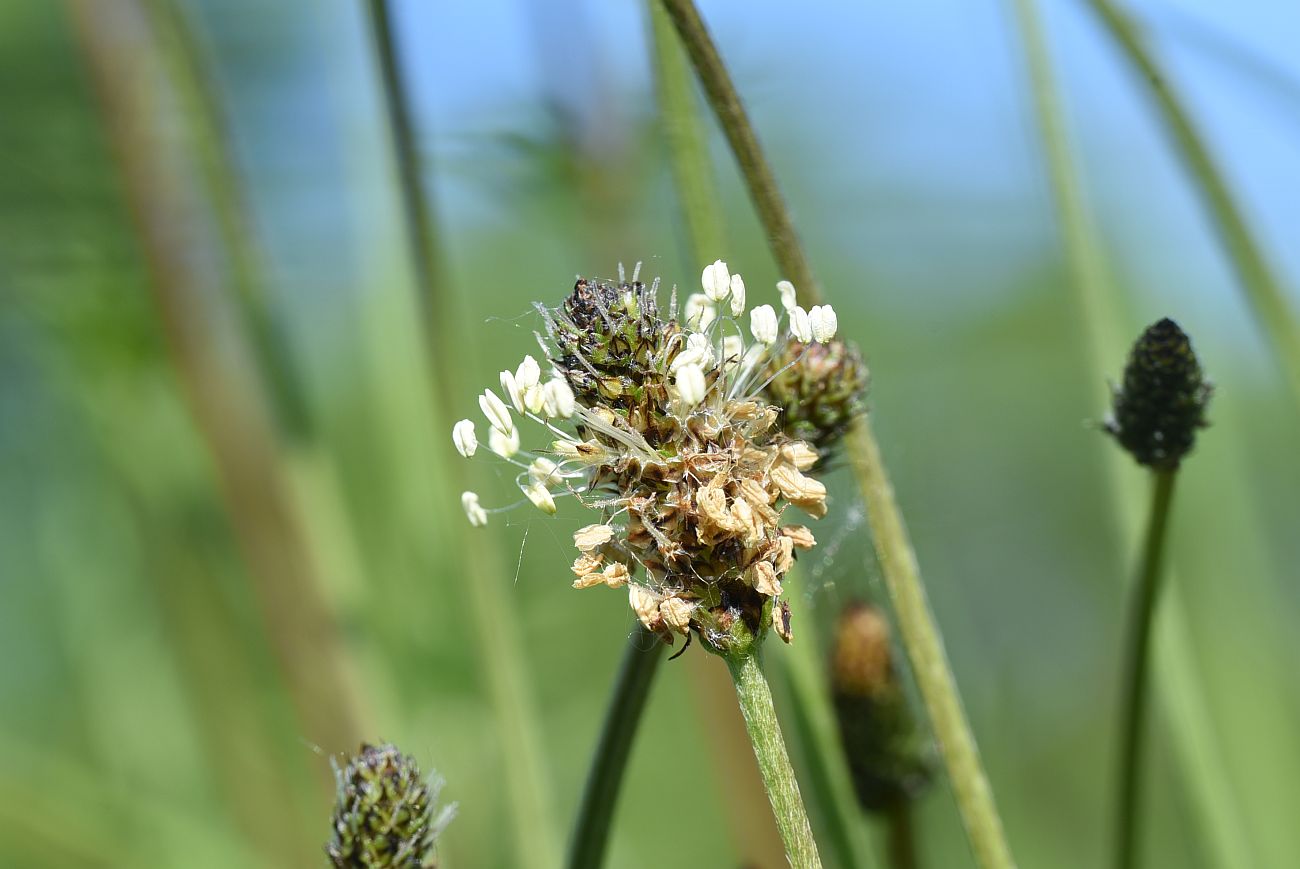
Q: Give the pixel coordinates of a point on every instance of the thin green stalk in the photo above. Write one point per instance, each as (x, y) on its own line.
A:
(421, 225)
(1263, 290)
(769, 748)
(688, 147)
(496, 622)
(817, 744)
(901, 836)
(759, 179)
(1136, 670)
(898, 560)
(600, 794)
(1178, 684)
(224, 187)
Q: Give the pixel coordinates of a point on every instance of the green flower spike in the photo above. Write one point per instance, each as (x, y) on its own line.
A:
(1162, 401)
(383, 816)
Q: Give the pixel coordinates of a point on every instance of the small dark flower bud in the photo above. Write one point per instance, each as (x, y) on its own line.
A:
(1161, 403)
(821, 391)
(888, 754)
(383, 816)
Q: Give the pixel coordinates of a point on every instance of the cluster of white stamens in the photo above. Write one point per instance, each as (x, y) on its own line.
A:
(704, 351)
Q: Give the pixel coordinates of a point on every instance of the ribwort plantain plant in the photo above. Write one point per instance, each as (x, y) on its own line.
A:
(384, 813)
(662, 424)
(1157, 411)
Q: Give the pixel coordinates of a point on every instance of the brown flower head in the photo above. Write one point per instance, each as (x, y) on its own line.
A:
(663, 425)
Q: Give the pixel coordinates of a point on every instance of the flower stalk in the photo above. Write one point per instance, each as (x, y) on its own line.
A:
(755, 700)
(600, 794)
(1136, 671)
(1157, 411)
(898, 559)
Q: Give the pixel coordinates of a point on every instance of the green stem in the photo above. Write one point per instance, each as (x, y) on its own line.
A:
(759, 179)
(224, 186)
(688, 148)
(1178, 683)
(497, 630)
(420, 222)
(901, 836)
(769, 748)
(600, 794)
(898, 559)
(1264, 293)
(1136, 669)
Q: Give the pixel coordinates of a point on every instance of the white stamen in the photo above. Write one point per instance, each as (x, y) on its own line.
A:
(559, 398)
(503, 445)
(462, 435)
(543, 471)
(698, 351)
(699, 312)
(510, 387)
(690, 384)
(476, 515)
(786, 289)
(824, 322)
(496, 412)
(534, 398)
(529, 373)
(800, 327)
(540, 496)
(763, 325)
(737, 296)
(733, 348)
(716, 281)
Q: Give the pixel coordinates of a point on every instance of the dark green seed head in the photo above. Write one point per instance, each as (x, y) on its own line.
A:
(1162, 400)
(383, 816)
(821, 393)
(888, 754)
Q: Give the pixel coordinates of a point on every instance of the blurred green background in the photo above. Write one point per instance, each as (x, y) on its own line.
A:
(230, 537)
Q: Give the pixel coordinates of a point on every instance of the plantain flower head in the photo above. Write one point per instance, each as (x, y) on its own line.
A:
(663, 424)
(384, 813)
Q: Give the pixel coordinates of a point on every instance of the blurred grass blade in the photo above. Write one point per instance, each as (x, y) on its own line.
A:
(1176, 678)
(688, 145)
(1274, 313)
(641, 659)
(227, 409)
(419, 219)
(902, 572)
(497, 628)
(212, 147)
(313, 482)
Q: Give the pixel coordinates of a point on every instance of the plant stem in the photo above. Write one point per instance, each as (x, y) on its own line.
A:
(901, 836)
(769, 748)
(496, 622)
(600, 794)
(1136, 669)
(228, 410)
(419, 218)
(1178, 683)
(688, 148)
(1264, 292)
(761, 183)
(897, 558)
